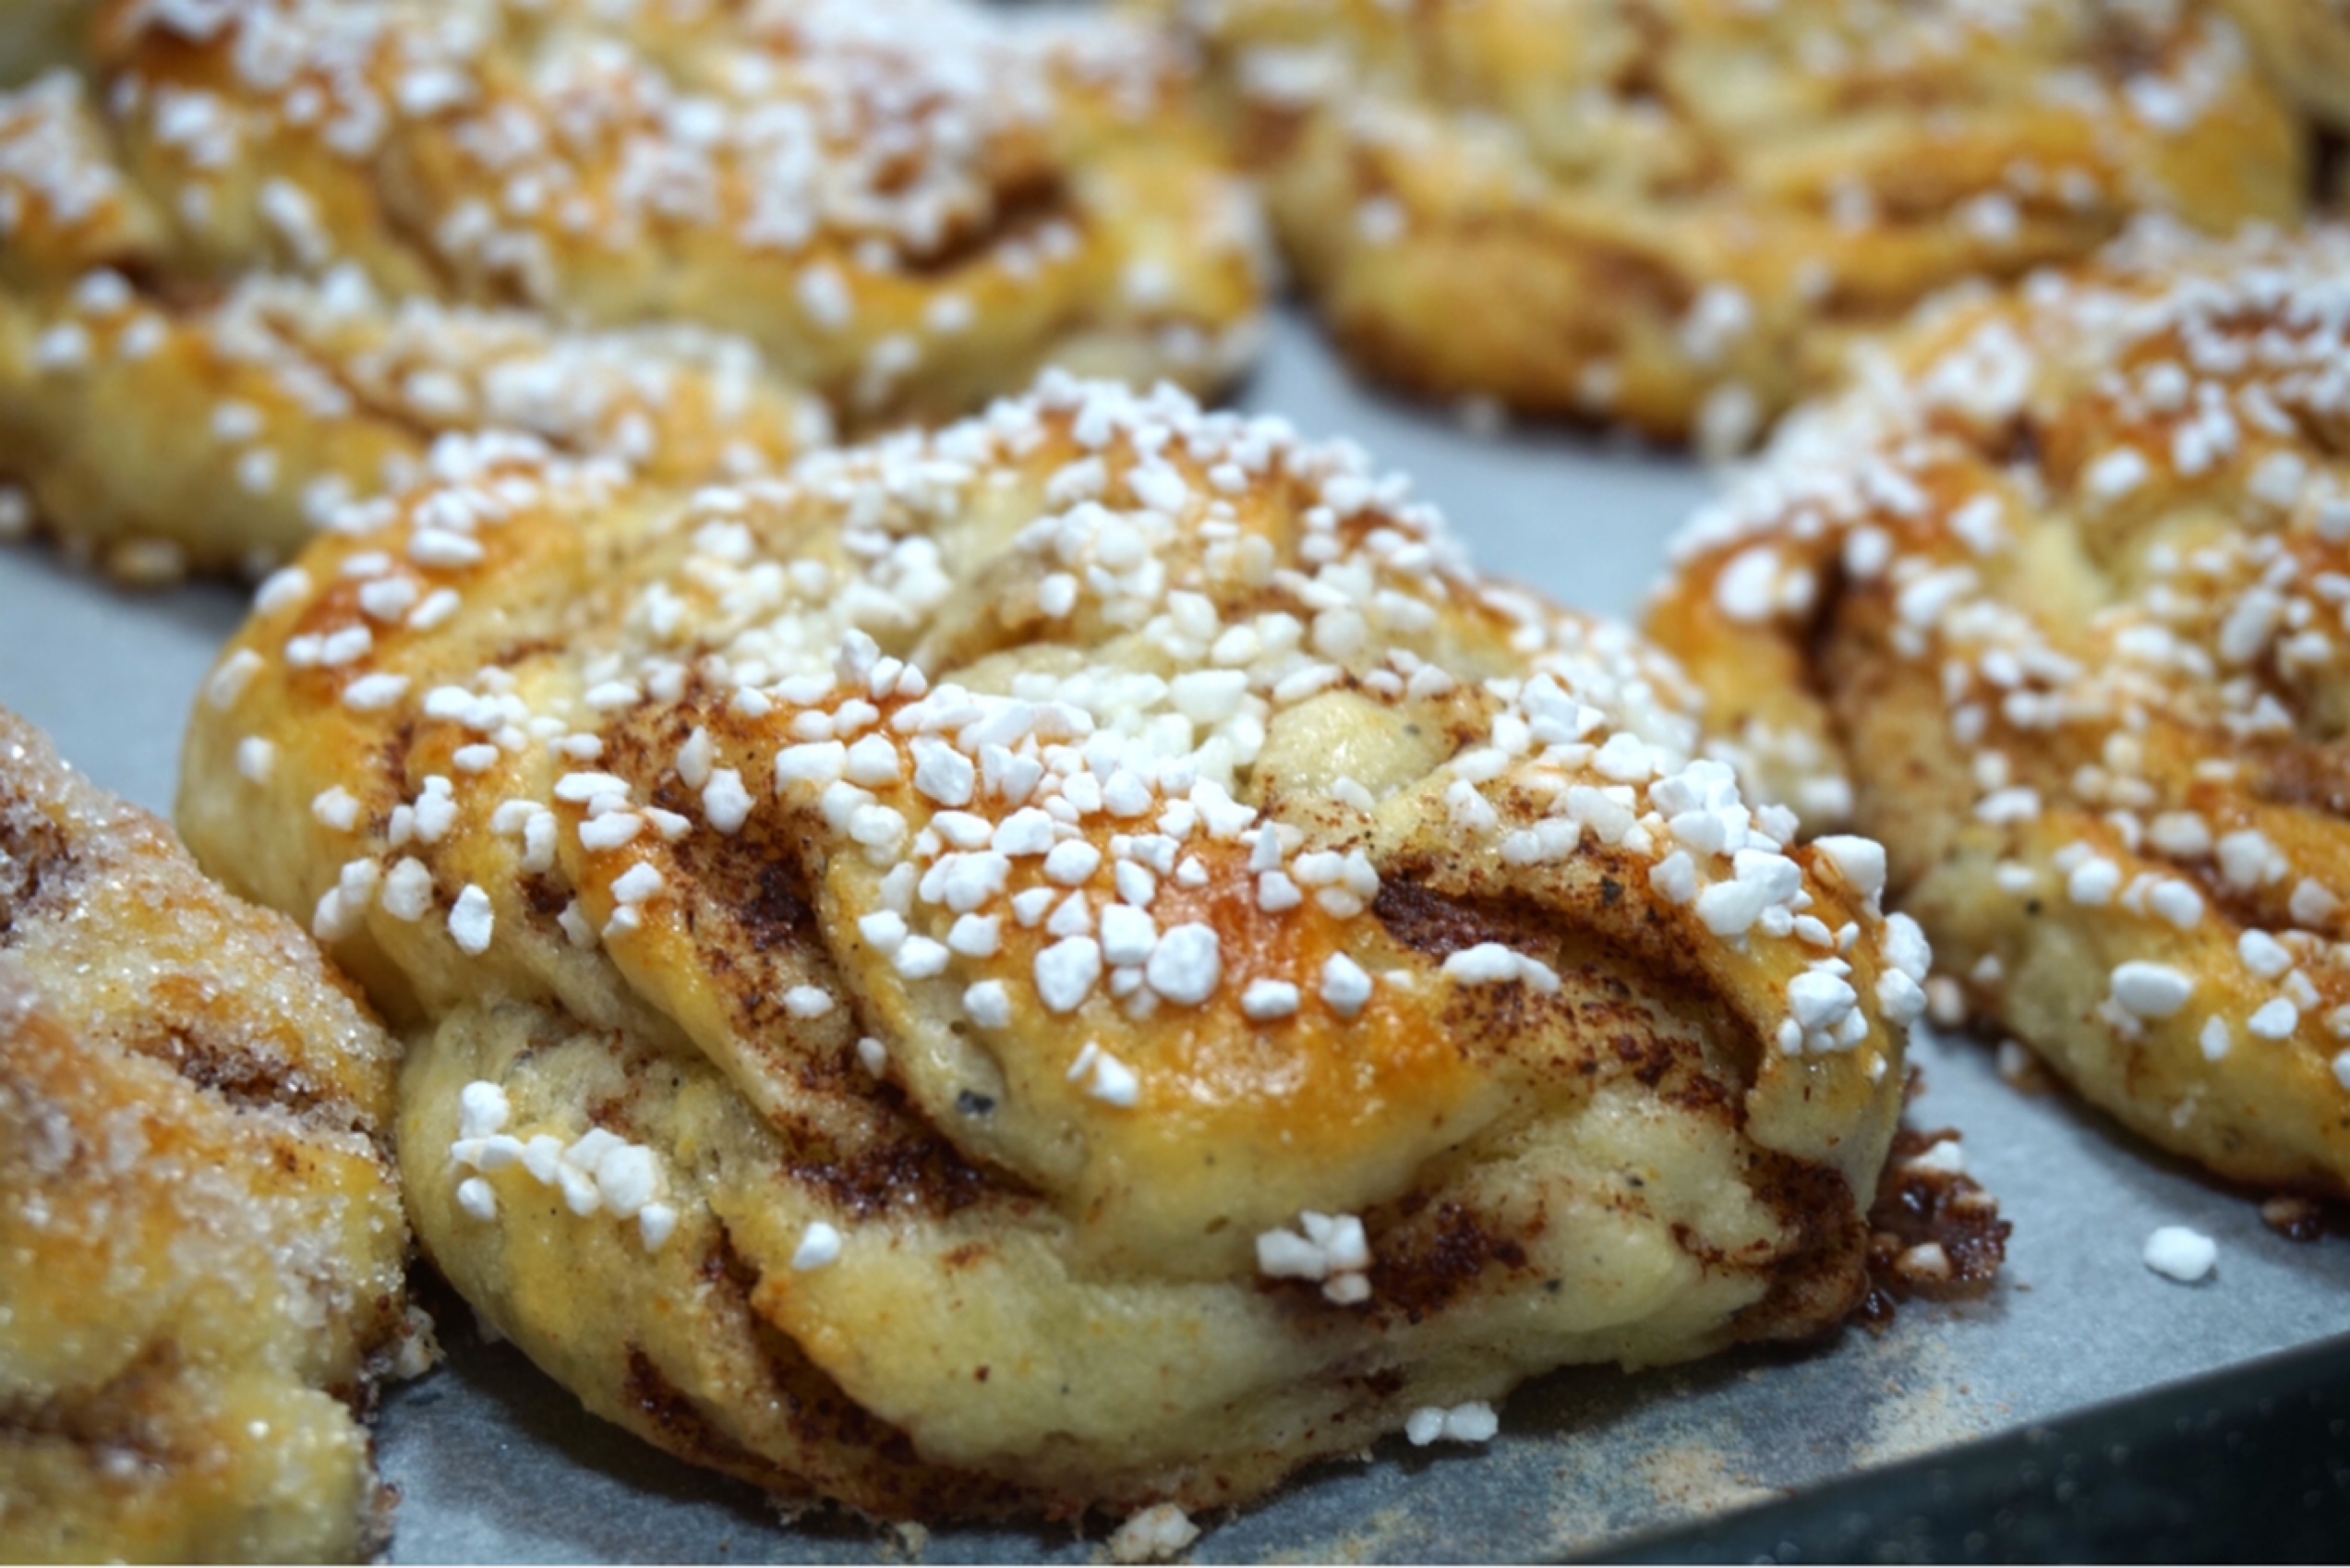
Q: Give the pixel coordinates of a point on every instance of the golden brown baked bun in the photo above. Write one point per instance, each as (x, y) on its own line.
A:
(2306, 44)
(2052, 601)
(1673, 215)
(908, 205)
(66, 207)
(201, 1248)
(1076, 960)
(41, 35)
(155, 431)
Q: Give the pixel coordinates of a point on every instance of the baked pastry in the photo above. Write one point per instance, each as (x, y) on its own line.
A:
(1078, 961)
(200, 1224)
(157, 432)
(2306, 43)
(41, 35)
(2051, 600)
(906, 205)
(1673, 214)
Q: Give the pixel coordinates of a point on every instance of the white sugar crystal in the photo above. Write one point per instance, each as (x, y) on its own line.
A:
(638, 883)
(2175, 1252)
(2263, 954)
(1860, 861)
(2274, 1020)
(819, 1247)
(808, 1002)
(1187, 965)
(2150, 990)
(988, 1004)
(1346, 986)
(920, 958)
(1268, 999)
(2094, 882)
(1128, 935)
(1113, 1083)
(1072, 863)
(627, 1178)
(478, 1197)
(482, 1109)
(725, 804)
(1820, 1000)
(1066, 973)
(472, 920)
(1155, 1535)
(872, 762)
(820, 762)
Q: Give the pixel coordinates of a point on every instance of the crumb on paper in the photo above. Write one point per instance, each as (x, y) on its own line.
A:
(2178, 1253)
(1473, 1422)
(1155, 1535)
(2295, 1218)
(2021, 1070)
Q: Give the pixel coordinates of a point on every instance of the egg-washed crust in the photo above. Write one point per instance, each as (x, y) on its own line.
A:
(2053, 601)
(42, 35)
(156, 427)
(201, 1247)
(908, 205)
(1673, 215)
(1057, 854)
(2306, 44)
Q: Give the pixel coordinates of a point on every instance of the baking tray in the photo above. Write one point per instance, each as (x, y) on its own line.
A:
(2250, 1463)
(498, 1464)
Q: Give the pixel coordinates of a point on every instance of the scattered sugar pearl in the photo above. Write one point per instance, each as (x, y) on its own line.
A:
(478, 1197)
(1266, 1000)
(336, 808)
(471, 920)
(2178, 1253)
(1475, 1422)
(819, 1247)
(1187, 964)
(725, 804)
(807, 1002)
(1157, 1534)
(2274, 1020)
(2263, 954)
(2152, 991)
(1346, 986)
(482, 1109)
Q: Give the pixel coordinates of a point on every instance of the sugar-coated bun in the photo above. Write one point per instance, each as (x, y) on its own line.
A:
(205, 1255)
(1675, 214)
(1081, 959)
(2306, 43)
(2051, 600)
(908, 206)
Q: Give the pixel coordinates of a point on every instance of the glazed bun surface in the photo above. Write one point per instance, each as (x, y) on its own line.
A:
(1080, 959)
(907, 206)
(2306, 45)
(2052, 599)
(1676, 216)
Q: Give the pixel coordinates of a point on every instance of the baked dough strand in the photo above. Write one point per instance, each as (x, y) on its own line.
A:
(1675, 215)
(2052, 600)
(906, 205)
(1076, 960)
(201, 1246)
